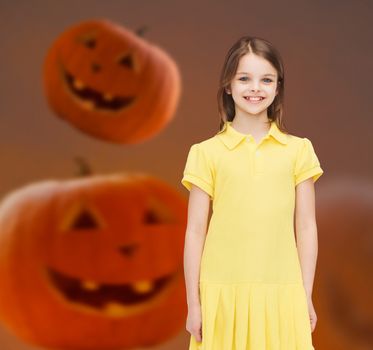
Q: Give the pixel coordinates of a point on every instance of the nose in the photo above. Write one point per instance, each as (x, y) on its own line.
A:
(128, 249)
(254, 86)
(95, 67)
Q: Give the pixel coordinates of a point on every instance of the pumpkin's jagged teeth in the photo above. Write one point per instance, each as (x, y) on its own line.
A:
(88, 104)
(78, 84)
(108, 97)
(114, 309)
(142, 286)
(90, 285)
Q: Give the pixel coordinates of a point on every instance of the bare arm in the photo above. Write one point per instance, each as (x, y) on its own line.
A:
(306, 232)
(198, 212)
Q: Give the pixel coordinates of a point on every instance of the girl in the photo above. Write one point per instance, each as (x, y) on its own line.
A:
(249, 279)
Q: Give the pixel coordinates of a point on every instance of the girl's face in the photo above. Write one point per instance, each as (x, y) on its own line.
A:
(254, 87)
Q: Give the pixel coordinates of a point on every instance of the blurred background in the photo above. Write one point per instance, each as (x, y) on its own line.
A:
(327, 51)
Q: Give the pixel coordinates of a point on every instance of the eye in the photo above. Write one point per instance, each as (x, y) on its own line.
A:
(81, 217)
(126, 61)
(84, 220)
(268, 80)
(89, 42)
(157, 213)
(151, 217)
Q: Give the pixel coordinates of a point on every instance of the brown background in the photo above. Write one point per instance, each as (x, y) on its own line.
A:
(326, 47)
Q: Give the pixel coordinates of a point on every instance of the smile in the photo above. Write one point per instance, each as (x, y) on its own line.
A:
(254, 99)
(91, 98)
(114, 299)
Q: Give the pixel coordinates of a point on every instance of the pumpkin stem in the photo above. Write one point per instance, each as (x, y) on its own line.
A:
(141, 31)
(83, 167)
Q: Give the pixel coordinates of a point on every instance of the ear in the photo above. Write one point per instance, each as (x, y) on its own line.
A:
(227, 91)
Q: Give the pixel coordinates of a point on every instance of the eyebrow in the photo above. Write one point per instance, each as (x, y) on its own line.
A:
(273, 75)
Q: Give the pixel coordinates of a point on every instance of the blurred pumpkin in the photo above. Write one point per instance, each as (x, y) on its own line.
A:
(110, 83)
(344, 280)
(93, 263)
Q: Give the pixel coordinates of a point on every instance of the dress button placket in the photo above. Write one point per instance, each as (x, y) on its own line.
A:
(259, 157)
(251, 147)
(254, 155)
(257, 161)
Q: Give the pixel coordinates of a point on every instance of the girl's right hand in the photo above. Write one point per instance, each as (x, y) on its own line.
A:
(194, 322)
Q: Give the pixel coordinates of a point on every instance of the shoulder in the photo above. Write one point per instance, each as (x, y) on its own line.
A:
(210, 144)
(298, 142)
(294, 138)
(207, 145)
(303, 151)
(208, 149)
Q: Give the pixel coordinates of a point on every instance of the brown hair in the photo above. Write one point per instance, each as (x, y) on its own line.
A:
(260, 47)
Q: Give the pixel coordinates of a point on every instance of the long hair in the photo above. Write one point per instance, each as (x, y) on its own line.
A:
(262, 48)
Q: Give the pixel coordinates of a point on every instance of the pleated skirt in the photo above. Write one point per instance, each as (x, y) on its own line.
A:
(253, 316)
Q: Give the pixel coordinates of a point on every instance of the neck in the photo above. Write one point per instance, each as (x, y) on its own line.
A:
(251, 125)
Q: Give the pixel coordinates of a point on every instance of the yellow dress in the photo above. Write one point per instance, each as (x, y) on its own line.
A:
(251, 287)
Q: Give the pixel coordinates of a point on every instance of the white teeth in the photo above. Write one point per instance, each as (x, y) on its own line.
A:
(78, 84)
(142, 286)
(254, 98)
(90, 285)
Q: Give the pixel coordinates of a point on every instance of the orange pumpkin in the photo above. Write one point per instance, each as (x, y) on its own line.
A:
(108, 82)
(344, 281)
(93, 263)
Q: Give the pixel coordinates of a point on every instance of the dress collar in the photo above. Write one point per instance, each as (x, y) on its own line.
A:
(231, 137)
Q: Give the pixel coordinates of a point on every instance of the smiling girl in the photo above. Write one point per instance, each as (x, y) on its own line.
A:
(249, 272)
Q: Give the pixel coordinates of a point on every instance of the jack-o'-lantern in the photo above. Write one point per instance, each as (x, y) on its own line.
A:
(110, 83)
(343, 286)
(93, 263)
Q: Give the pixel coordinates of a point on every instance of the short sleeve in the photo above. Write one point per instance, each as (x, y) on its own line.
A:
(307, 164)
(198, 170)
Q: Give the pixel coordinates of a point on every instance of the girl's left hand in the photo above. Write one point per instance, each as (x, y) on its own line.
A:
(312, 314)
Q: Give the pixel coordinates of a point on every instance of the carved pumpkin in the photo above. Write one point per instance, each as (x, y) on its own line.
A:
(108, 82)
(344, 280)
(93, 263)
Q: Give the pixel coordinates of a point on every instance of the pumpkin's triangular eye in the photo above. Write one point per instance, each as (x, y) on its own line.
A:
(88, 39)
(151, 217)
(90, 42)
(126, 61)
(157, 213)
(84, 220)
(81, 216)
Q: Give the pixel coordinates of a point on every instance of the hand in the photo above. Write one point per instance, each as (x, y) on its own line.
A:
(194, 322)
(312, 314)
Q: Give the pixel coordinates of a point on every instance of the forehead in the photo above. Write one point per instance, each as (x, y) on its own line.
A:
(253, 64)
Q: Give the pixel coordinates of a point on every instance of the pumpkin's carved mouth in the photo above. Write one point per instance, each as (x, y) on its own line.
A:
(108, 297)
(93, 99)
